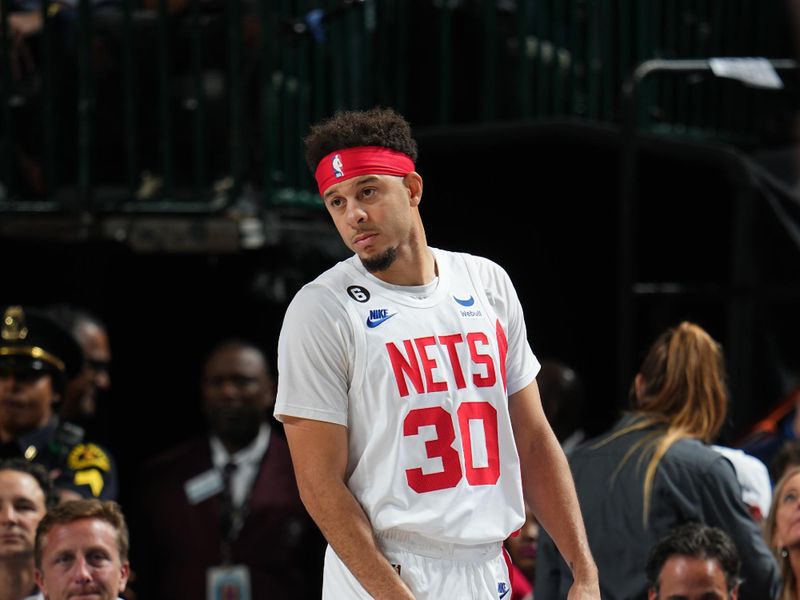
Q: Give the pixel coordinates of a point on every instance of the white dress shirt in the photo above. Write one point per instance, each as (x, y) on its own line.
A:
(247, 461)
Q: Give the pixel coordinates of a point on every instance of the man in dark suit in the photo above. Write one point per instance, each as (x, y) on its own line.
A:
(222, 512)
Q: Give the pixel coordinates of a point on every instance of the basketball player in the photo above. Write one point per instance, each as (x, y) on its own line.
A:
(407, 389)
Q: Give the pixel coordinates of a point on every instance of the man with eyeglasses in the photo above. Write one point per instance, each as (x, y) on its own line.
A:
(93, 381)
(37, 359)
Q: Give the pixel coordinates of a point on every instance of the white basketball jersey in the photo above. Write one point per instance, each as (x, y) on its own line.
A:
(421, 378)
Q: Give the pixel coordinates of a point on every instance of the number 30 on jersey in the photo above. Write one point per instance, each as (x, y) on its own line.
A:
(442, 446)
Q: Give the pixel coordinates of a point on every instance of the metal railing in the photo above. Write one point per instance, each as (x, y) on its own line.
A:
(736, 288)
(127, 109)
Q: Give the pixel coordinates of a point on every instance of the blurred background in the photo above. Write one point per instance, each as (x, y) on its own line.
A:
(630, 163)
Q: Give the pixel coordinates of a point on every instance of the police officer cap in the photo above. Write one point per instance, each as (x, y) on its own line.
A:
(29, 337)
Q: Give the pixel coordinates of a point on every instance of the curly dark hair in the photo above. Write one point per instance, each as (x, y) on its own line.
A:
(374, 127)
(695, 540)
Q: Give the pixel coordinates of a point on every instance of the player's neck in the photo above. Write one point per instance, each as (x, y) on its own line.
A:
(414, 265)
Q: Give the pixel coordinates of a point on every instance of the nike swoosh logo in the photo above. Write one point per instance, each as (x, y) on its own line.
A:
(468, 302)
(505, 593)
(376, 322)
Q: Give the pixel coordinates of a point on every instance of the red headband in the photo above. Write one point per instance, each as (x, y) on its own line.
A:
(342, 165)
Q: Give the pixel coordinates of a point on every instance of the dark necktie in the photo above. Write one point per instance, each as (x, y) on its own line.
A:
(228, 517)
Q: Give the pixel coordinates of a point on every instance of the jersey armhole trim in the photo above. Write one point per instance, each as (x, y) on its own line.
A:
(304, 412)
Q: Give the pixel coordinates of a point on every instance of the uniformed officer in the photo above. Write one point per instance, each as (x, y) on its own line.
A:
(37, 358)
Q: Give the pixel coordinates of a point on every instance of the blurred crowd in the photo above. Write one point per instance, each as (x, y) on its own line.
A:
(222, 511)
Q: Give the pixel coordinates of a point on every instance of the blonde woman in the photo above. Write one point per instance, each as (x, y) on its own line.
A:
(655, 470)
(782, 529)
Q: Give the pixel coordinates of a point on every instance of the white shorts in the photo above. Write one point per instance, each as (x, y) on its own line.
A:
(431, 569)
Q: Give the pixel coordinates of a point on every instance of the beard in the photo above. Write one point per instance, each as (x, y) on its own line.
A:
(380, 262)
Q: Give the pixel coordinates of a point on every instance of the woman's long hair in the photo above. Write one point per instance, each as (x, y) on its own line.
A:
(682, 394)
(788, 578)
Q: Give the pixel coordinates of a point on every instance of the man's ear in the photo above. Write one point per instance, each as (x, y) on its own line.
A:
(652, 594)
(413, 183)
(125, 572)
(37, 575)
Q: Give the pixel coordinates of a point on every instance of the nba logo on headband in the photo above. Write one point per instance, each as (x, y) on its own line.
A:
(361, 160)
(338, 168)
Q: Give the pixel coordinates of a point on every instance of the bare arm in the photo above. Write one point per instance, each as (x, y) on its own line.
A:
(549, 489)
(319, 454)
